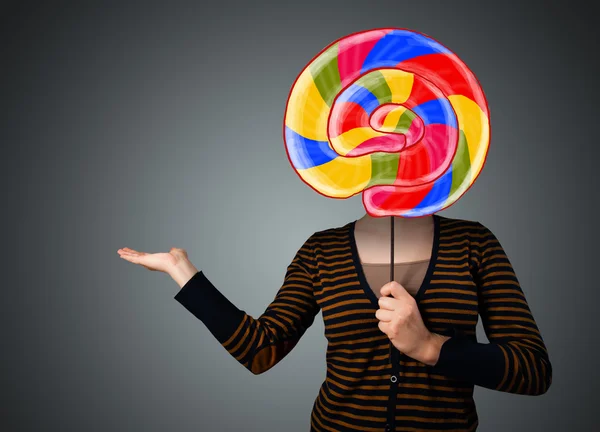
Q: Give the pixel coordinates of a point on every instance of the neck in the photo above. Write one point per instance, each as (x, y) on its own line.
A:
(383, 224)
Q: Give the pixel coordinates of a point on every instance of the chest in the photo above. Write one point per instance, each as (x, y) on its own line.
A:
(409, 246)
(447, 298)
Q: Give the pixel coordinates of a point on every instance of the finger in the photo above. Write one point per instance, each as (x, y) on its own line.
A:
(126, 249)
(388, 303)
(135, 260)
(384, 315)
(133, 253)
(383, 326)
(395, 289)
(131, 258)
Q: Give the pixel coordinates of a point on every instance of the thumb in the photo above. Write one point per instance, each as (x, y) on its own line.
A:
(388, 288)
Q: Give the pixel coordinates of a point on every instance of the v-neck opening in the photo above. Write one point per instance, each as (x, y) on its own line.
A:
(430, 268)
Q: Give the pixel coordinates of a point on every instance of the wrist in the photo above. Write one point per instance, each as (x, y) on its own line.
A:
(433, 347)
(182, 272)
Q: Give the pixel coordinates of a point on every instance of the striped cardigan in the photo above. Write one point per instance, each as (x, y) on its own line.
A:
(365, 390)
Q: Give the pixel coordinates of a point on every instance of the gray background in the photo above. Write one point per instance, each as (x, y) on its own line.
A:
(153, 126)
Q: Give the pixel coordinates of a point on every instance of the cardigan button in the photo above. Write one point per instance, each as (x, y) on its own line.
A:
(388, 428)
(394, 378)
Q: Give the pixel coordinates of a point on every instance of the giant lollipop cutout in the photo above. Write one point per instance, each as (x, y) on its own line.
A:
(393, 114)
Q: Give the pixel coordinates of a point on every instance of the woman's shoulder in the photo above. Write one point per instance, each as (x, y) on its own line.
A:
(468, 226)
(329, 232)
(477, 234)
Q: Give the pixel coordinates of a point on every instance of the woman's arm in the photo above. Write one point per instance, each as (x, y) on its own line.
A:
(516, 359)
(258, 343)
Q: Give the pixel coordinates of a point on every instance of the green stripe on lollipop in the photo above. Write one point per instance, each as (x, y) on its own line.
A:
(326, 74)
(375, 82)
(461, 164)
(384, 168)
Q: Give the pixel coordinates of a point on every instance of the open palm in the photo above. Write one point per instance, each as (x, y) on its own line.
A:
(161, 261)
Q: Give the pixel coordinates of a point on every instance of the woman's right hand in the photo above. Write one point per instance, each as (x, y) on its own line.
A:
(175, 263)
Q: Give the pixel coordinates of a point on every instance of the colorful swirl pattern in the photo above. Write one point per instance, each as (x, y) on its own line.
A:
(391, 113)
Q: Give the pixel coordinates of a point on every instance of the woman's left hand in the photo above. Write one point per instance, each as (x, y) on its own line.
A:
(400, 319)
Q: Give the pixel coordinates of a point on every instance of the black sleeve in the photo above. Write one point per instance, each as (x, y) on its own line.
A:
(258, 343)
(516, 359)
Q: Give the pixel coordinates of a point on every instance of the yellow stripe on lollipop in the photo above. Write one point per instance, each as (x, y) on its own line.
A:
(476, 128)
(307, 112)
(400, 84)
(349, 140)
(340, 177)
(392, 118)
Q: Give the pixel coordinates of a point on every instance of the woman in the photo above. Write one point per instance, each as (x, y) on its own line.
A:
(447, 273)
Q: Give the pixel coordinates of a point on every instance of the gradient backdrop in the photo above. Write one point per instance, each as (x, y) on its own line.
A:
(150, 127)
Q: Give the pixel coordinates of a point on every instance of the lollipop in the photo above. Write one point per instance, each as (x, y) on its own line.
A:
(390, 113)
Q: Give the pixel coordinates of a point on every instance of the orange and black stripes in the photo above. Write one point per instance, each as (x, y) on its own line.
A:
(508, 320)
(469, 275)
(259, 343)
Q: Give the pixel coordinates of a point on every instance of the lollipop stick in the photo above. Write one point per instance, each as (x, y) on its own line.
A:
(392, 269)
(392, 252)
